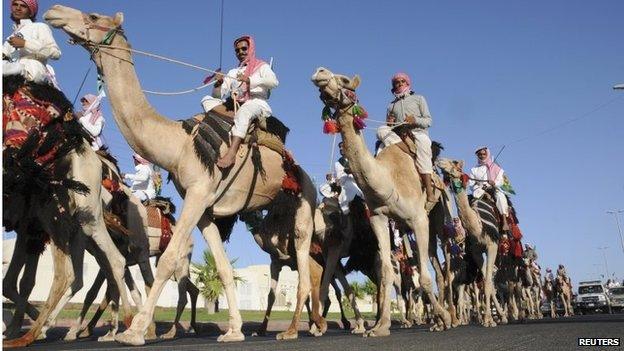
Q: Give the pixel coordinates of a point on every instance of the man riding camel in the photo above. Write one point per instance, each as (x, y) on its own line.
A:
(30, 46)
(247, 85)
(410, 108)
(486, 175)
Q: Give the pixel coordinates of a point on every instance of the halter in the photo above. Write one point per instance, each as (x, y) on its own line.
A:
(105, 42)
(352, 108)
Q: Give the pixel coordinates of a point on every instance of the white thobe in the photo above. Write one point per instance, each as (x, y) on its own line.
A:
(478, 187)
(31, 60)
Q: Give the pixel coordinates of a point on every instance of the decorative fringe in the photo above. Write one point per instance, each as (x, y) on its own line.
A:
(290, 183)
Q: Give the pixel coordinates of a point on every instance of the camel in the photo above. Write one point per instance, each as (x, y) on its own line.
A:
(83, 215)
(531, 288)
(208, 191)
(484, 231)
(391, 189)
(551, 297)
(563, 289)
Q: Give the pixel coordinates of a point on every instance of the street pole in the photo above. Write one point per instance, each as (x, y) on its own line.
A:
(604, 255)
(616, 213)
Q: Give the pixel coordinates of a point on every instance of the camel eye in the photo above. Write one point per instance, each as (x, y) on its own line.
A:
(93, 17)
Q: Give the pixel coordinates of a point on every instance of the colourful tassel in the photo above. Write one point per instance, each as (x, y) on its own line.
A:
(326, 114)
(358, 123)
(330, 127)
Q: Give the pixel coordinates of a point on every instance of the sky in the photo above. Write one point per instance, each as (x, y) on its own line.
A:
(533, 76)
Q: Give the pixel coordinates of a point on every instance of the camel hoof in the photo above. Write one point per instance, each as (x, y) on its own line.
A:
(346, 325)
(130, 337)
(25, 340)
(314, 330)
(85, 333)
(231, 336)
(359, 328)
(71, 335)
(406, 325)
(110, 336)
(170, 334)
(288, 335)
(151, 332)
(504, 320)
(375, 333)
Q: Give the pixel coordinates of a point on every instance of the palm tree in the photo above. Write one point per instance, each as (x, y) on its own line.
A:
(208, 281)
(369, 288)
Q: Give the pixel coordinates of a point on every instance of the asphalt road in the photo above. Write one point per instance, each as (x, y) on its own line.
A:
(544, 334)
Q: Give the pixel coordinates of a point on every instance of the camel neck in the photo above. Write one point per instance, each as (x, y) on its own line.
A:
(467, 215)
(367, 172)
(147, 132)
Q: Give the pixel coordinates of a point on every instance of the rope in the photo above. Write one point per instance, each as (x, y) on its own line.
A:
(82, 84)
(179, 92)
(331, 157)
(221, 38)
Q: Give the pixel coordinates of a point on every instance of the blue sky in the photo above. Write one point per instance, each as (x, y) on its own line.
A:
(493, 72)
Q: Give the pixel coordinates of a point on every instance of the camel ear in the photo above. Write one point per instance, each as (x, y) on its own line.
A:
(118, 20)
(355, 82)
(460, 163)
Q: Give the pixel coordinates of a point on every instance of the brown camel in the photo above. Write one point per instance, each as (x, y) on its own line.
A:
(391, 189)
(484, 231)
(208, 192)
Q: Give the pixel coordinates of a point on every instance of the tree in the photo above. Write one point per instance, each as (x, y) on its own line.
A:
(208, 281)
(369, 288)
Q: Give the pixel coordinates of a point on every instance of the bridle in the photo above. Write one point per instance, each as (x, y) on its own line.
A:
(94, 47)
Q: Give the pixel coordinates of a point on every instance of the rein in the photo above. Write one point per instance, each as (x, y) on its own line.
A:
(106, 43)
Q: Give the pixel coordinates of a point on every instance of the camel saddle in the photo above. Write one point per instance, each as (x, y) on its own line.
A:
(160, 216)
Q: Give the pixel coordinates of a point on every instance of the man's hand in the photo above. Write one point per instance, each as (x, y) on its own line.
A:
(491, 182)
(410, 119)
(17, 42)
(243, 78)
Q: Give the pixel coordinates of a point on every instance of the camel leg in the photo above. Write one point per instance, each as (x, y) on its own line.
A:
(316, 273)
(9, 286)
(304, 227)
(343, 318)
(420, 228)
(183, 283)
(488, 286)
(226, 273)
(63, 276)
(379, 224)
(500, 310)
(195, 204)
(359, 321)
(77, 327)
(449, 288)
(331, 261)
(275, 270)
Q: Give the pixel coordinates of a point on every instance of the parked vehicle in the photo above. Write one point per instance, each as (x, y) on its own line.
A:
(592, 297)
(616, 295)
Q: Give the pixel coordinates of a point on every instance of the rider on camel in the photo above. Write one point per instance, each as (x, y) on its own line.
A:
(249, 85)
(410, 108)
(92, 120)
(30, 46)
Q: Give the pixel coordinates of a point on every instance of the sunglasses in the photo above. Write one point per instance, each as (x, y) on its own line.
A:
(241, 49)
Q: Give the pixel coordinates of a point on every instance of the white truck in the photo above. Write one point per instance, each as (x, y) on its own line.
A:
(592, 296)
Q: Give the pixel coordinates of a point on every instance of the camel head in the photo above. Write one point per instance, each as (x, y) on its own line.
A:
(88, 30)
(451, 168)
(337, 91)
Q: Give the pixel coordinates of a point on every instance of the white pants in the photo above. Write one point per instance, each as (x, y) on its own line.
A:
(252, 108)
(144, 195)
(501, 203)
(423, 146)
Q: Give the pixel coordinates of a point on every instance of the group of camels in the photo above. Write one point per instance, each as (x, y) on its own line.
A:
(286, 230)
